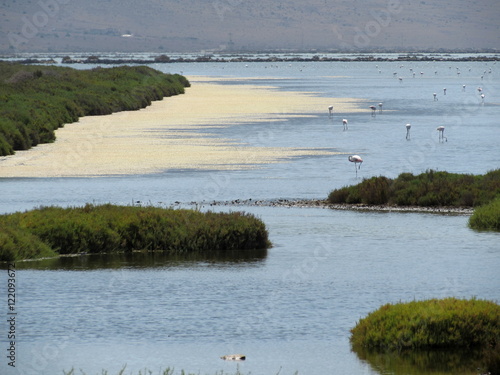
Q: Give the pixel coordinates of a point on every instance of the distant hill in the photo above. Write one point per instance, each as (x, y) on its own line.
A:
(195, 25)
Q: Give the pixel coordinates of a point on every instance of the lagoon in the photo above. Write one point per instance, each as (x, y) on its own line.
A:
(292, 306)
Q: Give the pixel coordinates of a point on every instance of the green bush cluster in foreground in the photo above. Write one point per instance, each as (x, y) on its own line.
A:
(427, 189)
(435, 323)
(52, 231)
(36, 100)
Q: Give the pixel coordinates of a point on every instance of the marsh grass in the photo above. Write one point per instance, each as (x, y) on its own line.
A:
(435, 323)
(36, 100)
(110, 228)
(427, 189)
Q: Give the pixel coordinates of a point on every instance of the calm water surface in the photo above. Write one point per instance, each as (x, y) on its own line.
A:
(290, 308)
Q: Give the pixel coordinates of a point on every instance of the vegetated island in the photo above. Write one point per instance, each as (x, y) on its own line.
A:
(91, 229)
(448, 323)
(36, 100)
(431, 189)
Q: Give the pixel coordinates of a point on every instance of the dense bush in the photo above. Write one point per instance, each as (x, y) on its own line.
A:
(486, 217)
(36, 100)
(110, 228)
(16, 243)
(427, 189)
(436, 323)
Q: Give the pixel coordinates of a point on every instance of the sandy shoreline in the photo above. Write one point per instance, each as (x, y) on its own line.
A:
(171, 134)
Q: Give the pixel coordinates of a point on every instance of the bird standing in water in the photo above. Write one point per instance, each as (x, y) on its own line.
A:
(356, 159)
(440, 129)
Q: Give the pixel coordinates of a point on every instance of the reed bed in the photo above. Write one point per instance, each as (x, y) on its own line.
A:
(36, 100)
(110, 228)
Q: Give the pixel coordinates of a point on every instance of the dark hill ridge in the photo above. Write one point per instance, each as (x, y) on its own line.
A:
(194, 25)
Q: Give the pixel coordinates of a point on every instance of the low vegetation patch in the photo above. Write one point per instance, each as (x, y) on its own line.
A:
(436, 323)
(427, 190)
(486, 217)
(36, 100)
(167, 371)
(109, 228)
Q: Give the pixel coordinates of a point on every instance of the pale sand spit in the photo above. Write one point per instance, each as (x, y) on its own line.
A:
(170, 134)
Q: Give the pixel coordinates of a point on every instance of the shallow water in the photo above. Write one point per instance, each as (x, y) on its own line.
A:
(292, 306)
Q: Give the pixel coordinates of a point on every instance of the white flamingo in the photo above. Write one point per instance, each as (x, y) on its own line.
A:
(380, 106)
(482, 98)
(440, 129)
(356, 159)
(408, 127)
(344, 122)
(435, 98)
(463, 87)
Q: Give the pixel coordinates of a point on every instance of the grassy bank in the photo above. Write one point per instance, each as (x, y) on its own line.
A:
(36, 100)
(53, 231)
(427, 189)
(436, 323)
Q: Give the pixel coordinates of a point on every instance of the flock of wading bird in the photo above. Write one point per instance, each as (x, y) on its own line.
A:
(356, 159)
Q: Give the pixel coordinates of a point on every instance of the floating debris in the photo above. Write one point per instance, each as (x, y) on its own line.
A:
(234, 357)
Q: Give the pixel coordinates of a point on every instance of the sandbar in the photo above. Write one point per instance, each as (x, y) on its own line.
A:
(174, 133)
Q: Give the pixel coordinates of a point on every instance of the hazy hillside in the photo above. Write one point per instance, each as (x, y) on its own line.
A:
(194, 25)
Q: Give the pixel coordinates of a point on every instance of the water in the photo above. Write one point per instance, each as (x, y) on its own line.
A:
(290, 308)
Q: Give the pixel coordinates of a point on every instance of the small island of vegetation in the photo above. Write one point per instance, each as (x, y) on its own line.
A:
(449, 323)
(36, 100)
(431, 189)
(55, 231)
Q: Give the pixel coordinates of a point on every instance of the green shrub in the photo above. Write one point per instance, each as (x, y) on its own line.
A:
(18, 244)
(110, 228)
(427, 189)
(436, 323)
(486, 217)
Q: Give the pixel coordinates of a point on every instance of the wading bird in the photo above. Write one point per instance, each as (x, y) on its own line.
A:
(408, 127)
(435, 98)
(440, 129)
(330, 110)
(444, 91)
(373, 108)
(344, 122)
(356, 159)
(380, 106)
